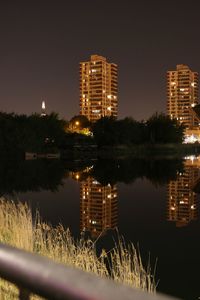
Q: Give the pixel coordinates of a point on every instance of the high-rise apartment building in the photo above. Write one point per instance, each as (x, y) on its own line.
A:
(182, 200)
(98, 207)
(182, 94)
(98, 88)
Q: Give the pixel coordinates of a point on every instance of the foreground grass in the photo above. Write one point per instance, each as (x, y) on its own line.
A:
(17, 229)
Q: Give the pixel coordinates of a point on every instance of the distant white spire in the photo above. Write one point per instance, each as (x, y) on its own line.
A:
(43, 105)
(43, 113)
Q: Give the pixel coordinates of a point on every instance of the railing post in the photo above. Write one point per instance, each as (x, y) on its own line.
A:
(24, 294)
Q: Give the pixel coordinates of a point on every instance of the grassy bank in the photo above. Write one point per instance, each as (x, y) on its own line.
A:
(18, 229)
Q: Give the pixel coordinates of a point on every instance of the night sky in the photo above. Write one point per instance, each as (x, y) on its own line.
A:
(42, 43)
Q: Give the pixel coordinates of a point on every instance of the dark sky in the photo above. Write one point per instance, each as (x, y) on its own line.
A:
(42, 43)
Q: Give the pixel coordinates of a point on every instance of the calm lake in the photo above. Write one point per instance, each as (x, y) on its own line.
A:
(153, 203)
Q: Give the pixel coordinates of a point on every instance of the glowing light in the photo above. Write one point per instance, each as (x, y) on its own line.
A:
(190, 139)
(190, 157)
(95, 182)
(43, 105)
(193, 104)
(43, 113)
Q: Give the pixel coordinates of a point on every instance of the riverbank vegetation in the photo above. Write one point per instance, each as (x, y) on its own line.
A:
(123, 263)
(49, 133)
(158, 129)
(20, 133)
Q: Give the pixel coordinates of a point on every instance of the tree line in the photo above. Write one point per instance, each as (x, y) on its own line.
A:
(19, 133)
(35, 133)
(158, 129)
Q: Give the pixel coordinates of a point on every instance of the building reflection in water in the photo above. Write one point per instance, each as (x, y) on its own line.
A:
(98, 207)
(182, 200)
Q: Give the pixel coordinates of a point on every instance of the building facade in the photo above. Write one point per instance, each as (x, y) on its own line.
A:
(98, 207)
(98, 88)
(182, 200)
(182, 95)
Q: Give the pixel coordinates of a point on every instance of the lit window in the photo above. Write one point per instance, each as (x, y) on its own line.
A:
(95, 182)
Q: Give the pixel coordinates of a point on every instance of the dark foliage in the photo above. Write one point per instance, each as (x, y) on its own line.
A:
(158, 171)
(20, 133)
(79, 122)
(159, 129)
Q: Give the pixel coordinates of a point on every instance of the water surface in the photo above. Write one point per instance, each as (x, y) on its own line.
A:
(153, 203)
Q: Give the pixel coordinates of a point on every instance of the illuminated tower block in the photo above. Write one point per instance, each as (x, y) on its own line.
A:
(182, 95)
(98, 88)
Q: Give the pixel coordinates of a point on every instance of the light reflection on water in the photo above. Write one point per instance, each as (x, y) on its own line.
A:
(151, 202)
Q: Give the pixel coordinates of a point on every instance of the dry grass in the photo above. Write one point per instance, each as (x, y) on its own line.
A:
(17, 229)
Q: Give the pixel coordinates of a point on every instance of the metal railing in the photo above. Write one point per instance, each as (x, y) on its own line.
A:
(35, 274)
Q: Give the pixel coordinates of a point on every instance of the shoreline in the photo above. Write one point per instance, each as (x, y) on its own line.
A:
(144, 150)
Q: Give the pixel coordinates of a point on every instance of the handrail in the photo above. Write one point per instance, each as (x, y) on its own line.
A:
(39, 275)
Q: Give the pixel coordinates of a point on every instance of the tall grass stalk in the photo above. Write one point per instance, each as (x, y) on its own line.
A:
(123, 263)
